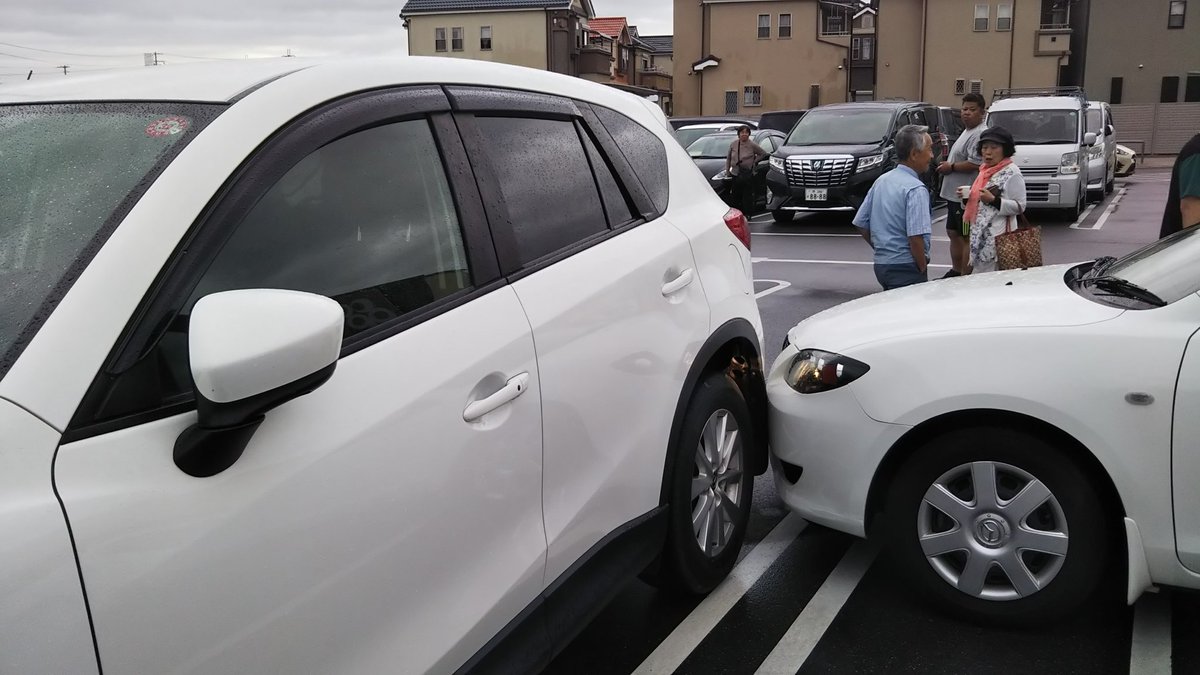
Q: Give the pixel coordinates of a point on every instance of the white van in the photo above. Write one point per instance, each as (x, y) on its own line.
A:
(1049, 127)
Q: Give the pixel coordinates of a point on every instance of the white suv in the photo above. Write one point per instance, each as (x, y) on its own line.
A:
(387, 366)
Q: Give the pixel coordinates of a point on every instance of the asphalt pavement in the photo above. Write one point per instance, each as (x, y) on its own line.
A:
(805, 599)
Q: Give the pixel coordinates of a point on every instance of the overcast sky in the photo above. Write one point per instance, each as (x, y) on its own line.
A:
(90, 35)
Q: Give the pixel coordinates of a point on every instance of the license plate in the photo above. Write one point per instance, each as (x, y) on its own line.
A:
(811, 195)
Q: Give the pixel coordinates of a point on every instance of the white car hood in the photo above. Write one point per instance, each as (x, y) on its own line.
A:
(1019, 298)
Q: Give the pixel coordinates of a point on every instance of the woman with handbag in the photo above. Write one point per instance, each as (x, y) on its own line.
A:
(996, 199)
(744, 154)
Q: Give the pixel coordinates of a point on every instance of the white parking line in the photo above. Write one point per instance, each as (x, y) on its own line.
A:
(1150, 652)
(779, 286)
(798, 643)
(1109, 211)
(1082, 217)
(671, 652)
(822, 262)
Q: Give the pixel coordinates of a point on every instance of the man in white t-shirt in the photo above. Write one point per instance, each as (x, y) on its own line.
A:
(960, 168)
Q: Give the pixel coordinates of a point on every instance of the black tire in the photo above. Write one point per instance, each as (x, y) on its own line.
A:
(783, 216)
(1077, 210)
(1066, 581)
(1111, 183)
(684, 567)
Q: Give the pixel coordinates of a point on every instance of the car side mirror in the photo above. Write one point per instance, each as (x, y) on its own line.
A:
(1089, 138)
(252, 351)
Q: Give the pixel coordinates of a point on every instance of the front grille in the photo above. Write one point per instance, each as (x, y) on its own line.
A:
(1037, 193)
(1040, 171)
(816, 172)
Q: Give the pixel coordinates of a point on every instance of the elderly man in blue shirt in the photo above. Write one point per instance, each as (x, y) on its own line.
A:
(894, 217)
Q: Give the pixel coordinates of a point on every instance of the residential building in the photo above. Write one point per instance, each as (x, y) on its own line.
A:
(747, 56)
(562, 36)
(632, 62)
(543, 34)
(1142, 52)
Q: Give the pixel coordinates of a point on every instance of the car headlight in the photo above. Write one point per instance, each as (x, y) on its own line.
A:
(722, 175)
(777, 163)
(814, 371)
(869, 161)
(1070, 163)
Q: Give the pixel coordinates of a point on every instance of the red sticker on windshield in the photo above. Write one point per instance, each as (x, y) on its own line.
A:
(167, 126)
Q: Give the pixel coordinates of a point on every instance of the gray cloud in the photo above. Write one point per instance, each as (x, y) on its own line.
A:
(92, 36)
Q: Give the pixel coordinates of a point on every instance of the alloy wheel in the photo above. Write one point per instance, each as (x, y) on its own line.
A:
(717, 483)
(993, 531)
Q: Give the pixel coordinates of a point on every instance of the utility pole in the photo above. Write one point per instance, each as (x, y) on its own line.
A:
(64, 69)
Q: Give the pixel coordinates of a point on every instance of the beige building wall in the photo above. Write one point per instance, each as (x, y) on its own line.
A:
(1130, 40)
(898, 50)
(999, 59)
(785, 68)
(518, 38)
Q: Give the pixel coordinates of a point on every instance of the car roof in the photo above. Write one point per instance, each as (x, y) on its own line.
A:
(885, 105)
(228, 81)
(1035, 103)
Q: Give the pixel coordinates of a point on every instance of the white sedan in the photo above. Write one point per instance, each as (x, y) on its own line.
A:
(1007, 433)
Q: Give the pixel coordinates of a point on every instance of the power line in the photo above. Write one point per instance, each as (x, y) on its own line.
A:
(26, 58)
(51, 51)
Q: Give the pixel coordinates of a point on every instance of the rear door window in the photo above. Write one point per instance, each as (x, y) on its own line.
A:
(546, 182)
(644, 152)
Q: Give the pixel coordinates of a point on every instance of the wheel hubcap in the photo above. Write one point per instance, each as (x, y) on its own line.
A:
(993, 531)
(717, 483)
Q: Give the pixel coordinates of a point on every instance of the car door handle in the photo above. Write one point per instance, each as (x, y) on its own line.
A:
(680, 282)
(514, 388)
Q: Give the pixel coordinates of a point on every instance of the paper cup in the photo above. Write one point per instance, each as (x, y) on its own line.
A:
(964, 192)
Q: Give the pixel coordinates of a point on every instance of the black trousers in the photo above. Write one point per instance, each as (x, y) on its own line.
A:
(742, 191)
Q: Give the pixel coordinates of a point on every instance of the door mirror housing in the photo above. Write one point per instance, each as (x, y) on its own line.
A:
(1109, 130)
(251, 351)
(1089, 139)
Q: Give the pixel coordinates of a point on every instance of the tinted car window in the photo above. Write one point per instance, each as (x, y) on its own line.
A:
(644, 152)
(616, 207)
(1038, 127)
(367, 220)
(546, 182)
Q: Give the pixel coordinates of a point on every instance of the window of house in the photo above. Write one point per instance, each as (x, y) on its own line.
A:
(1177, 14)
(865, 22)
(785, 25)
(485, 38)
(1191, 92)
(1117, 91)
(456, 39)
(1004, 16)
(731, 102)
(752, 95)
(835, 20)
(1170, 90)
(540, 162)
(764, 26)
(977, 86)
(439, 39)
(960, 87)
(983, 13)
(865, 49)
(856, 49)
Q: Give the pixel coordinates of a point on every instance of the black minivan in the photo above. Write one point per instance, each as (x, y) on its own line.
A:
(835, 152)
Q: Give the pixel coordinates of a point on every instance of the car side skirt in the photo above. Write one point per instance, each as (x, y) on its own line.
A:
(529, 642)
